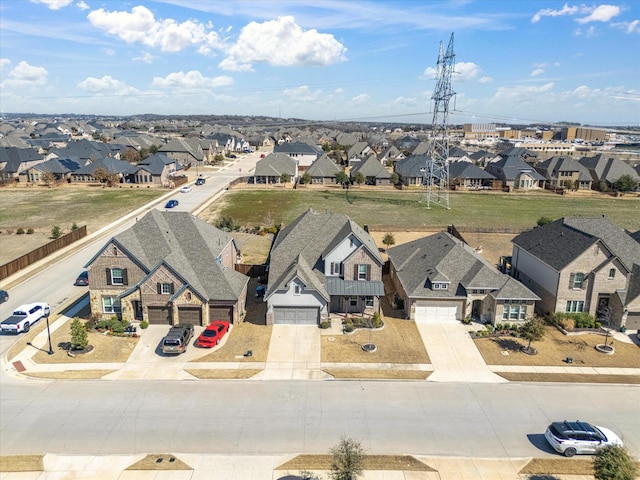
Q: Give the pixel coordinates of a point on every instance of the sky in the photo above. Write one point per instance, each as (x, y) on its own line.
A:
(521, 61)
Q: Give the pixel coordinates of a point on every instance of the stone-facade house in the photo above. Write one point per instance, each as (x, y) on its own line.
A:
(271, 168)
(411, 170)
(14, 161)
(374, 173)
(323, 171)
(441, 278)
(581, 265)
(515, 173)
(168, 268)
(605, 170)
(322, 264)
(157, 170)
(565, 172)
(467, 176)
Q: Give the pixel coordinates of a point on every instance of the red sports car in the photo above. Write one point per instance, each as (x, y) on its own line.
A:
(211, 335)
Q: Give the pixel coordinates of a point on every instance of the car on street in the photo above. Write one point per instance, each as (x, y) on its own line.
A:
(571, 438)
(201, 181)
(233, 156)
(185, 189)
(211, 335)
(172, 204)
(83, 279)
(4, 296)
(24, 316)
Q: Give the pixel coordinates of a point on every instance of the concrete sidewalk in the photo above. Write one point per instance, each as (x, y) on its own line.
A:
(262, 467)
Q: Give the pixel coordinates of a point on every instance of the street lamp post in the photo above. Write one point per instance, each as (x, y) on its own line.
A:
(49, 335)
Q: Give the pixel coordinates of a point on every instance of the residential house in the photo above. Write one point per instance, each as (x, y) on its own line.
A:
(323, 171)
(421, 149)
(468, 176)
(322, 264)
(515, 173)
(86, 150)
(358, 151)
(605, 171)
(186, 151)
(86, 173)
(389, 155)
(481, 157)
(565, 172)
(579, 264)
(302, 152)
(271, 168)
(60, 168)
(410, 143)
(411, 170)
(440, 278)
(168, 268)
(374, 173)
(157, 169)
(14, 161)
(456, 154)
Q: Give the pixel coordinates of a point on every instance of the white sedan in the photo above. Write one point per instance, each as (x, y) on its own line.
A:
(185, 189)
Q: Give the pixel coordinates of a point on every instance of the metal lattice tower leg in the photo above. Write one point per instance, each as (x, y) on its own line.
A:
(436, 176)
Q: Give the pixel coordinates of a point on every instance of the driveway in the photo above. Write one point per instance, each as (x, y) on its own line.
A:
(453, 354)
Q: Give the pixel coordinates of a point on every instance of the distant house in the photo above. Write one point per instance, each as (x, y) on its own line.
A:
(14, 161)
(607, 170)
(86, 150)
(421, 149)
(358, 151)
(323, 171)
(86, 173)
(440, 278)
(515, 173)
(155, 170)
(389, 155)
(321, 264)
(374, 173)
(168, 268)
(60, 168)
(565, 172)
(271, 168)
(457, 154)
(580, 264)
(301, 152)
(186, 151)
(465, 175)
(411, 170)
(481, 157)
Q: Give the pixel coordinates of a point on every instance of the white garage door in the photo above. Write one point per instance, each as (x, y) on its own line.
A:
(435, 314)
(295, 316)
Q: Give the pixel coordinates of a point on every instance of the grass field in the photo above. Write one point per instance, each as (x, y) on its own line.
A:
(389, 210)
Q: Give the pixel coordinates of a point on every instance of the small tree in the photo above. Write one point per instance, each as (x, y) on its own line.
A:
(625, 183)
(347, 460)
(543, 221)
(532, 330)
(342, 178)
(388, 240)
(395, 178)
(305, 179)
(613, 462)
(48, 178)
(359, 178)
(285, 178)
(79, 338)
(56, 232)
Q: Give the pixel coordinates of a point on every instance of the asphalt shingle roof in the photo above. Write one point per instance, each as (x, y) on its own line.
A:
(275, 164)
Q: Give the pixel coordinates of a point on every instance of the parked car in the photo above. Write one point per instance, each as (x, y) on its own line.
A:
(233, 156)
(262, 155)
(177, 339)
(579, 437)
(185, 189)
(201, 181)
(4, 296)
(211, 335)
(82, 280)
(24, 316)
(172, 204)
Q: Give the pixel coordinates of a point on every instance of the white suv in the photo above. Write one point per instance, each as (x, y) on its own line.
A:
(570, 438)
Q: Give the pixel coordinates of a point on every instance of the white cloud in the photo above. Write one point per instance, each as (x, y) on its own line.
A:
(430, 72)
(106, 85)
(628, 27)
(589, 32)
(54, 4)
(25, 75)
(82, 6)
(191, 80)
(4, 62)
(140, 26)
(522, 92)
(406, 102)
(146, 57)
(465, 71)
(231, 65)
(110, 52)
(549, 12)
(301, 94)
(485, 79)
(536, 72)
(282, 42)
(601, 13)
(360, 99)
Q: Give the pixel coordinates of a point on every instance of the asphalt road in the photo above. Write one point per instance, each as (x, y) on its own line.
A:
(273, 417)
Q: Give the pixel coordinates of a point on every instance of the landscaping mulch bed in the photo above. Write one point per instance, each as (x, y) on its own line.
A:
(558, 466)
(569, 378)
(371, 462)
(367, 374)
(159, 462)
(21, 463)
(222, 373)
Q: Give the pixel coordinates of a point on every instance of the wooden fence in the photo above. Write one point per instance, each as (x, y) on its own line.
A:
(253, 271)
(33, 256)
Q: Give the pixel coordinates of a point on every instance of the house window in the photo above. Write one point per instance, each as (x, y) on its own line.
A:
(575, 306)
(111, 305)
(362, 271)
(368, 301)
(353, 301)
(336, 268)
(440, 286)
(612, 274)
(478, 291)
(166, 288)
(297, 289)
(578, 278)
(117, 277)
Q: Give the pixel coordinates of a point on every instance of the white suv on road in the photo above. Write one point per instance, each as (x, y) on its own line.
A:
(24, 316)
(570, 438)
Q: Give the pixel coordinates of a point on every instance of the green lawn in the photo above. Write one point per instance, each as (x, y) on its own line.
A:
(389, 210)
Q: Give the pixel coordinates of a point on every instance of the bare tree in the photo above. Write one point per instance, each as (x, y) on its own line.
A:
(347, 460)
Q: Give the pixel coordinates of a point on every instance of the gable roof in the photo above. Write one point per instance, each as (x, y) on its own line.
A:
(559, 243)
(608, 169)
(275, 164)
(299, 148)
(552, 167)
(155, 164)
(411, 166)
(511, 167)
(323, 167)
(187, 245)
(110, 164)
(59, 165)
(468, 170)
(444, 258)
(371, 167)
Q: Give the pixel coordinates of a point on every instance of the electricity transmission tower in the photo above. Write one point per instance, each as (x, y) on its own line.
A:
(436, 173)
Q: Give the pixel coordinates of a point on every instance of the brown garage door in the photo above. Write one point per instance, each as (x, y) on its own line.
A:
(221, 313)
(192, 315)
(159, 315)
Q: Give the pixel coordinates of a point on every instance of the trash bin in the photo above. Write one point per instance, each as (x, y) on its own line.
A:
(569, 360)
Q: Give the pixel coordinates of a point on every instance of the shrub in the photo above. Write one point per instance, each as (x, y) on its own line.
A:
(30, 231)
(614, 462)
(467, 320)
(580, 319)
(20, 231)
(376, 321)
(568, 324)
(144, 324)
(79, 338)
(56, 232)
(113, 325)
(326, 324)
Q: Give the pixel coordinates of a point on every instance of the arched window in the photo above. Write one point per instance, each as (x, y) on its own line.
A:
(578, 278)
